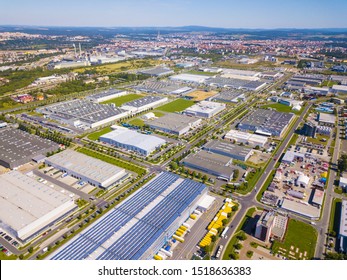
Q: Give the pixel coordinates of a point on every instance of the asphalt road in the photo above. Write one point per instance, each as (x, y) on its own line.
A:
(323, 224)
(249, 200)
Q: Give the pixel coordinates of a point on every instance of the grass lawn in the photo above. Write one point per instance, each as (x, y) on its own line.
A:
(318, 139)
(299, 235)
(119, 101)
(3, 256)
(176, 106)
(201, 73)
(95, 135)
(137, 122)
(334, 223)
(158, 114)
(281, 108)
(112, 160)
(230, 247)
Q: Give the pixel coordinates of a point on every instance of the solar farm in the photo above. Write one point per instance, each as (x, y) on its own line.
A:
(140, 225)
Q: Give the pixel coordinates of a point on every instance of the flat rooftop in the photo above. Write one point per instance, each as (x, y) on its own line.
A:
(164, 87)
(23, 200)
(143, 101)
(206, 107)
(16, 145)
(84, 110)
(173, 121)
(129, 231)
(309, 211)
(267, 119)
(190, 78)
(210, 161)
(327, 118)
(87, 166)
(227, 148)
(109, 92)
(157, 71)
(130, 137)
(343, 220)
(229, 95)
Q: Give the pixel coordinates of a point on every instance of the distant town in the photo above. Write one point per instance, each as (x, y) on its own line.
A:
(173, 144)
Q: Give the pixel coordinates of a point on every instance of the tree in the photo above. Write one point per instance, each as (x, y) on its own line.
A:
(342, 163)
(21, 256)
(241, 236)
(30, 250)
(234, 256)
(173, 165)
(213, 238)
(236, 174)
(238, 246)
(235, 208)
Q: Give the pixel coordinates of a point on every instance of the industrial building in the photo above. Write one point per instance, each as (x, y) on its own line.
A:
(205, 109)
(301, 209)
(289, 157)
(88, 169)
(231, 96)
(28, 207)
(339, 89)
(174, 123)
(143, 103)
(326, 119)
(83, 114)
(189, 78)
(266, 122)
(18, 147)
(138, 227)
(343, 183)
(317, 198)
(271, 225)
(163, 87)
(131, 140)
(157, 71)
(309, 129)
(228, 149)
(342, 236)
(106, 95)
(214, 164)
(246, 138)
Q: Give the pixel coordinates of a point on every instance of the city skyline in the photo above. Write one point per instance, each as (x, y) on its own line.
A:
(268, 14)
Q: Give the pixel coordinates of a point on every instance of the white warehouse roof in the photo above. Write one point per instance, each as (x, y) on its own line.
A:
(27, 206)
(190, 78)
(129, 137)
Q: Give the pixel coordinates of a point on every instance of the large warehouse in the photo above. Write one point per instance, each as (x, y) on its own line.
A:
(246, 138)
(139, 226)
(88, 169)
(175, 123)
(205, 109)
(83, 114)
(215, 164)
(228, 149)
(18, 147)
(131, 140)
(189, 78)
(266, 122)
(233, 96)
(106, 95)
(27, 207)
(143, 103)
(157, 71)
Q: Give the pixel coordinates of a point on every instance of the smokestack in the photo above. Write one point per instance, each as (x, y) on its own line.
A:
(80, 50)
(75, 49)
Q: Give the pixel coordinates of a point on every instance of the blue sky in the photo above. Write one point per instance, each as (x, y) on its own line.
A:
(215, 13)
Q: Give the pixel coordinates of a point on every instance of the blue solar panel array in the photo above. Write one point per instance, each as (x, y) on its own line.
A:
(144, 233)
(89, 241)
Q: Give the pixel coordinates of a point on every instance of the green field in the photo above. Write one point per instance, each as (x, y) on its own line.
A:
(115, 161)
(318, 139)
(119, 101)
(299, 235)
(95, 135)
(281, 108)
(137, 122)
(176, 106)
(158, 114)
(3, 256)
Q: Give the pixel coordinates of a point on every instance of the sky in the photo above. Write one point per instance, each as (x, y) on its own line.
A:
(213, 13)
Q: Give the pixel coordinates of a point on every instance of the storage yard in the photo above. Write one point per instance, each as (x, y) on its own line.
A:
(200, 95)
